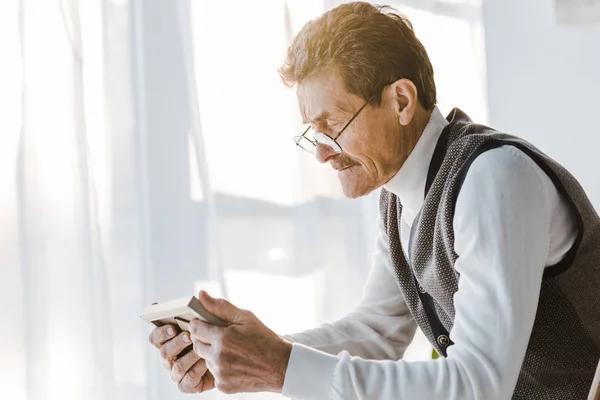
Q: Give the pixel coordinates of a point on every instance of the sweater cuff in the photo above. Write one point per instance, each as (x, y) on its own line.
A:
(309, 373)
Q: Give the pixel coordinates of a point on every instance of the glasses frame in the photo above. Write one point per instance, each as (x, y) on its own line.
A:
(322, 138)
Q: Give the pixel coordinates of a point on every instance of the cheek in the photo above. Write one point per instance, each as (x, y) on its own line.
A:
(366, 157)
(375, 144)
(382, 153)
(357, 149)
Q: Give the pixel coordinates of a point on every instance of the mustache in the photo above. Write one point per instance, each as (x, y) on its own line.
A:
(341, 163)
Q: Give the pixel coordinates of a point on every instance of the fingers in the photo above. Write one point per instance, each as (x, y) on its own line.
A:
(162, 334)
(192, 381)
(167, 364)
(182, 365)
(203, 350)
(204, 331)
(171, 349)
(220, 307)
(208, 381)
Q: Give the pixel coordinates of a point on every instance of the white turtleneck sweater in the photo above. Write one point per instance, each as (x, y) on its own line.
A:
(510, 223)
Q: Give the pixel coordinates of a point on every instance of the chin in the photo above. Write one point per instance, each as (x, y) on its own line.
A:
(355, 191)
(352, 184)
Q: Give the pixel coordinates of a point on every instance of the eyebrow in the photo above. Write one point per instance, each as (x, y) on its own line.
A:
(319, 118)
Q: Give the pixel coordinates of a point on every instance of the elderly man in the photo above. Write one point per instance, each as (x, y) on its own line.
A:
(488, 245)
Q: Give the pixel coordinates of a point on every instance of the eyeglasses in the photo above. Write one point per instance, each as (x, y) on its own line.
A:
(310, 145)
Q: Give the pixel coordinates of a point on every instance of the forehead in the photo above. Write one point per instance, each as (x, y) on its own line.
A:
(324, 95)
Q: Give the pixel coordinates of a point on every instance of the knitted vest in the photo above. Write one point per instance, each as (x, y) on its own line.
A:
(564, 346)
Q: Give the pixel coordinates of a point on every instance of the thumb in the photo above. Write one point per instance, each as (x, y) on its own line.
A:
(220, 308)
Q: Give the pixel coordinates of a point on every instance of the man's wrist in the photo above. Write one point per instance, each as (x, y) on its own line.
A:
(281, 364)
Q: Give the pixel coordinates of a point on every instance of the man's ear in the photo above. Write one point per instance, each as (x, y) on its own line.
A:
(406, 100)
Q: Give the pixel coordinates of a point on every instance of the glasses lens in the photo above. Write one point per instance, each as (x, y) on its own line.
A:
(325, 140)
(305, 144)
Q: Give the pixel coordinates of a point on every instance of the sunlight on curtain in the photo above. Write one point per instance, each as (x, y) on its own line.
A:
(248, 115)
(12, 383)
(55, 209)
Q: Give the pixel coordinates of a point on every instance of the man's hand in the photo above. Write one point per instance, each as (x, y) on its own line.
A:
(244, 356)
(188, 370)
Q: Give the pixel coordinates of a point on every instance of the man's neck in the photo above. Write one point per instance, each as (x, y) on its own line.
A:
(411, 135)
(409, 181)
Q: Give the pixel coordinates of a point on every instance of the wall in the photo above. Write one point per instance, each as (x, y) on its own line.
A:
(544, 83)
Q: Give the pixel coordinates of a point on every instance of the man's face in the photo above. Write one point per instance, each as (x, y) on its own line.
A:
(376, 143)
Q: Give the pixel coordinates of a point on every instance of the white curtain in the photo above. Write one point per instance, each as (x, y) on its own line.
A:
(73, 275)
(145, 153)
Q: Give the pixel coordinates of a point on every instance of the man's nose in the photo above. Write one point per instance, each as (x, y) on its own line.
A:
(324, 152)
